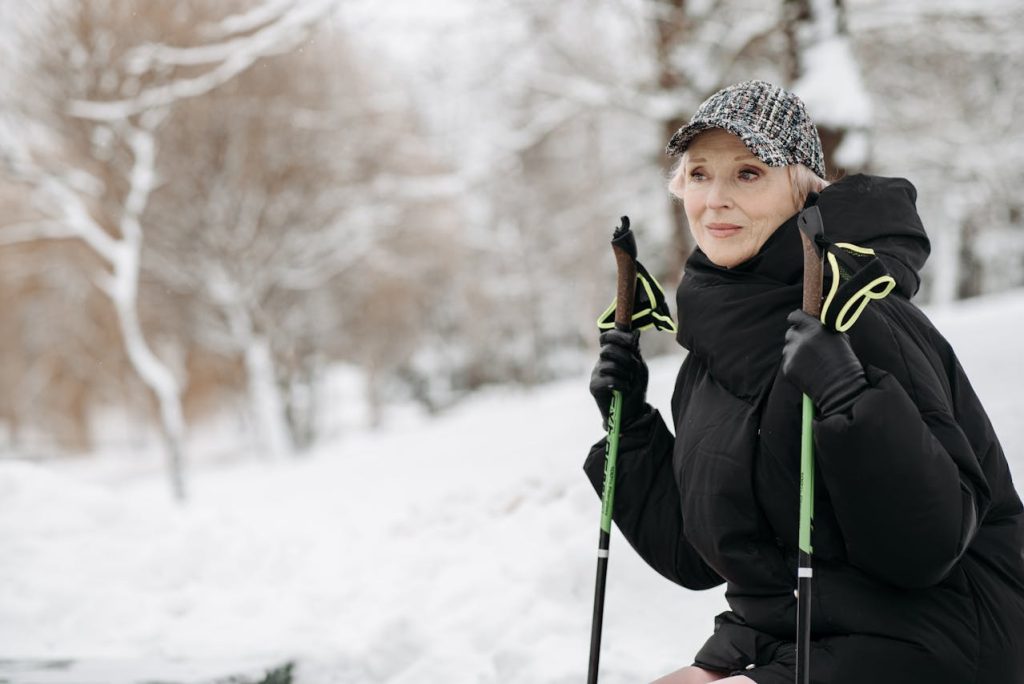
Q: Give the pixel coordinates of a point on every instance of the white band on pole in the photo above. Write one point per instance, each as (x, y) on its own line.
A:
(602, 553)
(805, 572)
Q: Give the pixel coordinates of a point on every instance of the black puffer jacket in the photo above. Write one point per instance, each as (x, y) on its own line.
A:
(919, 534)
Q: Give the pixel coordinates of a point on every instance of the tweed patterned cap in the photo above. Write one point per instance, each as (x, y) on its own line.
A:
(770, 121)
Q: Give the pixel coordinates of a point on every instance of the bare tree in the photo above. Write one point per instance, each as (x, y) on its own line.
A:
(270, 216)
(98, 104)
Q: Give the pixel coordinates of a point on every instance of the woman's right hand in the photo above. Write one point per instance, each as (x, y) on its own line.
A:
(620, 367)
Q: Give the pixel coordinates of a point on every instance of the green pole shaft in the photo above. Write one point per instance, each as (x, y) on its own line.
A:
(805, 572)
(806, 475)
(611, 456)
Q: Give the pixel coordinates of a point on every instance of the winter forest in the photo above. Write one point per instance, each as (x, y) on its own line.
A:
(299, 302)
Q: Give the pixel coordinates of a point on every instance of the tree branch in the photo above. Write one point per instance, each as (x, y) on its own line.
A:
(30, 231)
(232, 57)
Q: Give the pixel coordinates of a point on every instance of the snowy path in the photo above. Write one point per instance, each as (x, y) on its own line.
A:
(455, 550)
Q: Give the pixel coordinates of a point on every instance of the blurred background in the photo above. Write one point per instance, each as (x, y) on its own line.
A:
(207, 205)
(243, 231)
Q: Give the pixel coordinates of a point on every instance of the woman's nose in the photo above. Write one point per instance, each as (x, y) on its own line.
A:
(719, 195)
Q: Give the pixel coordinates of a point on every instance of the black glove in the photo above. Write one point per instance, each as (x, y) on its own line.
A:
(620, 367)
(821, 363)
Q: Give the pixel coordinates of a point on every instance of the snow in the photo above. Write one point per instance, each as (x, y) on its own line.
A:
(827, 63)
(454, 549)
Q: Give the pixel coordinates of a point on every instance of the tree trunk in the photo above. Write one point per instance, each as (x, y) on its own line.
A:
(806, 23)
(671, 29)
(795, 13)
(268, 405)
(159, 379)
(125, 258)
(944, 265)
(970, 268)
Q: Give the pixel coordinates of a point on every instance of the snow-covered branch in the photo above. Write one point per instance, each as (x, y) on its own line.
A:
(30, 231)
(249, 20)
(141, 181)
(231, 58)
(72, 210)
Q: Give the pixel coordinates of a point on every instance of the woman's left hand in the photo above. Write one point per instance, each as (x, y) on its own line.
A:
(821, 363)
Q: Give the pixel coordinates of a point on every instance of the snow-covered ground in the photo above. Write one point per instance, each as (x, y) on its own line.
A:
(459, 549)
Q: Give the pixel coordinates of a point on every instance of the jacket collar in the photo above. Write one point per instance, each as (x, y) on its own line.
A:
(734, 319)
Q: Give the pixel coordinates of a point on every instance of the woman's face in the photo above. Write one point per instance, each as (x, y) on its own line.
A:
(733, 200)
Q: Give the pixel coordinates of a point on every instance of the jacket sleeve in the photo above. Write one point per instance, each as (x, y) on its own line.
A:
(906, 484)
(646, 507)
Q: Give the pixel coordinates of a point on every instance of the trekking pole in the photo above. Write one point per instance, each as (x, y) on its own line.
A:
(810, 226)
(624, 245)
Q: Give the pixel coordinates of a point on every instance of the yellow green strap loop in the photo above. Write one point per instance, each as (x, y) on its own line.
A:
(854, 305)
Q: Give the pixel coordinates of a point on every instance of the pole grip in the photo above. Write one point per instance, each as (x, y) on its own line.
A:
(812, 278)
(624, 246)
(811, 226)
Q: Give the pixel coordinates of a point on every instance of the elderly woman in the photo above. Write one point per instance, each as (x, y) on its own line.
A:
(919, 533)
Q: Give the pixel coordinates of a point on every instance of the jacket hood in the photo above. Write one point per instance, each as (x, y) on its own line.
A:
(880, 213)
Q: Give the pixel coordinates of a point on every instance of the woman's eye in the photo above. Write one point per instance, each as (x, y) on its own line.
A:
(696, 174)
(749, 174)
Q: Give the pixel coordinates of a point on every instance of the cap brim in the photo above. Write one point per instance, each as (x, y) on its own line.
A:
(759, 145)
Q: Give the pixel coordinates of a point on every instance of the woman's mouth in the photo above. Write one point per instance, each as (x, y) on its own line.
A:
(722, 230)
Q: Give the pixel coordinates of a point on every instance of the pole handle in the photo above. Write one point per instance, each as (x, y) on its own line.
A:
(624, 246)
(811, 227)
